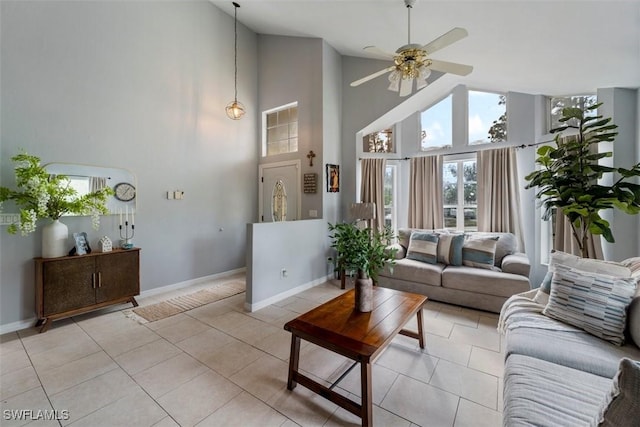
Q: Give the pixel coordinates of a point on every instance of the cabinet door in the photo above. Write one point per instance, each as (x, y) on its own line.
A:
(68, 285)
(119, 275)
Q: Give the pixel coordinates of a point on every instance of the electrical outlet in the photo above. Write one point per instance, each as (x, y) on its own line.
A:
(284, 273)
(170, 195)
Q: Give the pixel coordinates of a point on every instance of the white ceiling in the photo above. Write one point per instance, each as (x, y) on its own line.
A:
(539, 47)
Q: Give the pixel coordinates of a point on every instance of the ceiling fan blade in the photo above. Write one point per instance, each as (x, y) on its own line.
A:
(372, 76)
(405, 87)
(450, 67)
(445, 40)
(377, 51)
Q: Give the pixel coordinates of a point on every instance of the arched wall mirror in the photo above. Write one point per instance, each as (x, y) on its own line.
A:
(87, 178)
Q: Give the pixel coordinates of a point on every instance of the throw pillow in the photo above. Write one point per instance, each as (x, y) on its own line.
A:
(621, 407)
(450, 248)
(596, 303)
(423, 247)
(480, 253)
(588, 264)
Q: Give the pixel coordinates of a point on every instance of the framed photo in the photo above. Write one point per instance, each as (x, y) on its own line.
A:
(82, 243)
(333, 178)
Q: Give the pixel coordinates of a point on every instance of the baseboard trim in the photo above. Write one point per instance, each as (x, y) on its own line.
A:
(251, 307)
(28, 323)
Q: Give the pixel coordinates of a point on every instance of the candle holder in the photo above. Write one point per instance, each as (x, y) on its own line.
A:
(126, 235)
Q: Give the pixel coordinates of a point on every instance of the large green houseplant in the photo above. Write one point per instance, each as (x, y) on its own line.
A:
(361, 249)
(569, 174)
(41, 195)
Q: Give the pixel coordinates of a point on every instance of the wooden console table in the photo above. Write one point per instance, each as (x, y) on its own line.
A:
(71, 285)
(337, 326)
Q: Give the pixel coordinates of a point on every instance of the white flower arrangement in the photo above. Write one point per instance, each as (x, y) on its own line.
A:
(41, 195)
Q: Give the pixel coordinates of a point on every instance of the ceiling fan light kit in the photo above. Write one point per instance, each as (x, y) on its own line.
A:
(235, 110)
(412, 62)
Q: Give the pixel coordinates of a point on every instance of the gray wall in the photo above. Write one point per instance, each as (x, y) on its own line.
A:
(140, 86)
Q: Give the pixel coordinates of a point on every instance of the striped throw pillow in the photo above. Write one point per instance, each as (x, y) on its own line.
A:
(450, 248)
(423, 247)
(480, 253)
(596, 303)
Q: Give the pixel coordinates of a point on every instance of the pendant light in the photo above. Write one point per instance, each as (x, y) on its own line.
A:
(235, 110)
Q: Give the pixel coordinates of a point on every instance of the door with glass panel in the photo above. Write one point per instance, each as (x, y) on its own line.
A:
(279, 191)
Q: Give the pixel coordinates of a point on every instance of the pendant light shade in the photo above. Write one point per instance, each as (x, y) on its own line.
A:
(235, 110)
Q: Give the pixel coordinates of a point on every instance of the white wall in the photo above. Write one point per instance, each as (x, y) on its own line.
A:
(140, 86)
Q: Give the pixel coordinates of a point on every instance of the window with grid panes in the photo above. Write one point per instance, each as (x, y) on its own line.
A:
(281, 130)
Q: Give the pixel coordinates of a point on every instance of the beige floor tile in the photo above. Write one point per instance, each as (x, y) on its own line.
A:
(232, 357)
(446, 349)
(18, 381)
(66, 376)
(460, 317)
(14, 361)
(10, 342)
(97, 325)
(301, 305)
(182, 330)
(421, 403)
(382, 380)
(208, 313)
(253, 331)
(146, 356)
(83, 345)
(289, 423)
(167, 321)
(196, 399)
(137, 409)
(412, 363)
(170, 374)
(244, 410)
(166, 422)
(487, 361)
(382, 418)
(302, 406)
(229, 321)
(59, 331)
(473, 415)
(436, 326)
(467, 383)
(263, 378)
(285, 302)
(278, 344)
(91, 395)
(322, 363)
(489, 340)
(202, 345)
(126, 340)
(19, 405)
(290, 315)
(270, 313)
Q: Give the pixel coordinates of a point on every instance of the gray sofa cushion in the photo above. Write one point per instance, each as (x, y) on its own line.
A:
(415, 271)
(517, 263)
(578, 350)
(484, 281)
(539, 393)
(621, 408)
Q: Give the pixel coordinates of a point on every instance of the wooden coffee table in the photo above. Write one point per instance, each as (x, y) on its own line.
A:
(337, 326)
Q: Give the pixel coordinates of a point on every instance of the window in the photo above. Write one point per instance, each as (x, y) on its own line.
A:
(548, 237)
(280, 130)
(379, 142)
(556, 104)
(390, 186)
(460, 194)
(436, 124)
(487, 117)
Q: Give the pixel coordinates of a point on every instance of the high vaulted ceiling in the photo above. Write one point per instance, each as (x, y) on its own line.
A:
(539, 47)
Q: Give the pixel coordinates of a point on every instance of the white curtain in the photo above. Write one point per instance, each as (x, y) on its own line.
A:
(425, 191)
(97, 183)
(498, 193)
(372, 188)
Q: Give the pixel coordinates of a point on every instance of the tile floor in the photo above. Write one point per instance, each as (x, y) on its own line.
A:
(218, 365)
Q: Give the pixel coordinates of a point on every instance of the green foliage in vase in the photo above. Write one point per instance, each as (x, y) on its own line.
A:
(41, 195)
(569, 172)
(362, 249)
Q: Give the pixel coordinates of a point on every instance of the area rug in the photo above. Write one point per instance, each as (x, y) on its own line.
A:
(173, 306)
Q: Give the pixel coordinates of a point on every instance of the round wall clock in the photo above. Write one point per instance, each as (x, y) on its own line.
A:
(125, 191)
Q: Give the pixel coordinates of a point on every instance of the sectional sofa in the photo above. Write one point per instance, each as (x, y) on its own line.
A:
(559, 368)
(444, 276)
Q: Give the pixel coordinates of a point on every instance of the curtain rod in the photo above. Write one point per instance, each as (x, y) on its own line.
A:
(535, 144)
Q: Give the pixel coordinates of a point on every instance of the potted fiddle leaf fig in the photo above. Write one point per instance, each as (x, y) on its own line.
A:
(569, 174)
(364, 250)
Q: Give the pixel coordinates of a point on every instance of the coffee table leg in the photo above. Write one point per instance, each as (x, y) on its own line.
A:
(420, 331)
(367, 394)
(294, 357)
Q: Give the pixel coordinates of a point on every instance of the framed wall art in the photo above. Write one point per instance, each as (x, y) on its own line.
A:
(333, 178)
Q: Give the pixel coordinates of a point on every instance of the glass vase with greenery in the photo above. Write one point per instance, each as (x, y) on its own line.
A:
(569, 177)
(41, 195)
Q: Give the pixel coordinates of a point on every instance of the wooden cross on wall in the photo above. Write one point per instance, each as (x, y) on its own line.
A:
(310, 156)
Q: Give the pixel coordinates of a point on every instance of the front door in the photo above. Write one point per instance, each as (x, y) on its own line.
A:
(279, 191)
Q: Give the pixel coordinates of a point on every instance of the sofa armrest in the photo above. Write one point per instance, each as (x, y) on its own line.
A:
(517, 263)
(400, 252)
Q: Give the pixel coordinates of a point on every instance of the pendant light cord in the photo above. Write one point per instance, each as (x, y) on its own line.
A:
(235, 49)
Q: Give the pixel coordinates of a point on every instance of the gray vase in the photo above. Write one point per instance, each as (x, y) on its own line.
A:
(364, 293)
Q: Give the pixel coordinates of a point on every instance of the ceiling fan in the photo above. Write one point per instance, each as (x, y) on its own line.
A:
(412, 62)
